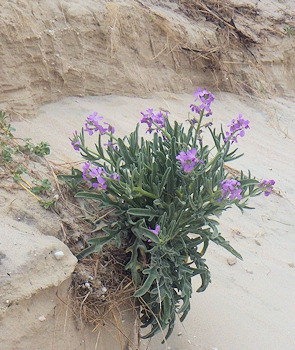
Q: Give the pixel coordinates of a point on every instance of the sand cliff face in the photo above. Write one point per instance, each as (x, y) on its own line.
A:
(62, 48)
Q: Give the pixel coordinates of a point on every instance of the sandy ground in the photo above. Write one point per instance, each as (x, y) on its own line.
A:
(251, 304)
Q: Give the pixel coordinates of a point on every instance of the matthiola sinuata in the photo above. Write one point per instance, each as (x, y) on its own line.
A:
(154, 121)
(167, 193)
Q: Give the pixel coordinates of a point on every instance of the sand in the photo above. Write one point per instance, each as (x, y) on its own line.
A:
(250, 304)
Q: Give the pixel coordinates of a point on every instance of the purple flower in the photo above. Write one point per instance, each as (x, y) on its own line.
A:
(192, 121)
(100, 183)
(230, 187)
(188, 160)
(202, 108)
(115, 177)
(237, 128)
(75, 141)
(152, 119)
(111, 145)
(156, 231)
(206, 98)
(267, 186)
(97, 173)
(109, 129)
(85, 171)
(93, 124)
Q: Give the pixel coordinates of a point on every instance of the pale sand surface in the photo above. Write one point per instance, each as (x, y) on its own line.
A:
(250, 305)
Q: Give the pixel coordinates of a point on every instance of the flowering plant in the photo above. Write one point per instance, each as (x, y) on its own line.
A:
(167, 193)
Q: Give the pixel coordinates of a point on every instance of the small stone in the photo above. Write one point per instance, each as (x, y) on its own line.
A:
(232, 261)
(179, 334)
(80, 245)
(257, 242)
(56, 196)
(104, 289)
(249, 271)
(7, 301)
(58, 254)
(189, 341)
(87, 285)
(42, 318)
(291, 264)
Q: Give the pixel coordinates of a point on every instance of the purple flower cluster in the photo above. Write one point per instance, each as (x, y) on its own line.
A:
(89, 173)
(267, 186)
(206, 98)
(189, 160)
(237, 128)
(156, 231)
(115, 177)
(112, 145)
(98, 174)
(94, 123)
(75, 141)
(230, 187)
(154, 121)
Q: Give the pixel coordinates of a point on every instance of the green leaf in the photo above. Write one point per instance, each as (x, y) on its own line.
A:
(205, 276)
(96, 245)
(225, 244)
(152, 276)
(248, 182)
(143, 233)
(88, 195)
(142, 212)
(134, 265)
(126, 153)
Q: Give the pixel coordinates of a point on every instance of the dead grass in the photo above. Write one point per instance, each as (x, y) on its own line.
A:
(102, 288)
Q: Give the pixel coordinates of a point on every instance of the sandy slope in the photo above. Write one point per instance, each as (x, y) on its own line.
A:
(251, 304)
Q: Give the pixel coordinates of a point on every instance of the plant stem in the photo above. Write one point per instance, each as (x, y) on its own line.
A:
(111, 136)
(145, 193)
(164, 132)
(199, 123)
